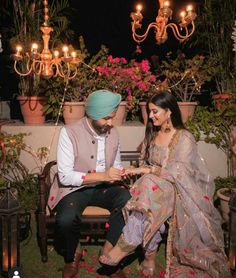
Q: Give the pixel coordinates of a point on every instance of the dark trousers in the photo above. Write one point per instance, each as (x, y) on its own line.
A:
(71, 207)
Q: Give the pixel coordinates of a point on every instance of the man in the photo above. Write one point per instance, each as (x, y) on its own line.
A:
(88, 159)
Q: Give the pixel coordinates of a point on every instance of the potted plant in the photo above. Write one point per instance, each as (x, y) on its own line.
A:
(185, 77)
(69, 96)
(217, 127)
(225, 187)
(13, 171)
(213, 35)
(25, 19)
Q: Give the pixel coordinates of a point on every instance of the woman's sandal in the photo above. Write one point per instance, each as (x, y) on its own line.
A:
(106, 259)
(146, 271)
(124, 246)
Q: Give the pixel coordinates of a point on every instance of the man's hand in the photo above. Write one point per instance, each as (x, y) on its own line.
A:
(112, 174)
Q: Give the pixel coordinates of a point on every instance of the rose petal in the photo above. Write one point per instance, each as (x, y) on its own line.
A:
(206, 197)
(155, 187)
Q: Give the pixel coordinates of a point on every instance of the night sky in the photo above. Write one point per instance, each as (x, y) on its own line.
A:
(108, 22)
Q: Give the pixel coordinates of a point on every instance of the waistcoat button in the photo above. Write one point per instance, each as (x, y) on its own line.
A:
(93, 142)
(91, 156)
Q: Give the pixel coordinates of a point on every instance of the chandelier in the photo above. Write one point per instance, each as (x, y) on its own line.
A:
(45, 63)
(182, 31)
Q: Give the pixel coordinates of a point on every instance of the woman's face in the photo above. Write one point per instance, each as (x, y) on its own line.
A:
(158, 115)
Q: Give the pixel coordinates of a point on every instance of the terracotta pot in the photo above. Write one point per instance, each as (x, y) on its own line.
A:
(73, 111)
(143, 109)
(32, 109)
(187, 109)
(121, 114)
(224, 203)
(220, 100)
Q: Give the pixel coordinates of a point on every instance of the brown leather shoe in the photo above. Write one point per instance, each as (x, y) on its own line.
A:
(71, 269)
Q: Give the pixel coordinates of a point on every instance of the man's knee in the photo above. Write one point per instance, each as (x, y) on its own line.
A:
(123, 197)
(66, 221)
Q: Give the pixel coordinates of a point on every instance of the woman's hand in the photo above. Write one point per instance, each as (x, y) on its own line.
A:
(136, 171)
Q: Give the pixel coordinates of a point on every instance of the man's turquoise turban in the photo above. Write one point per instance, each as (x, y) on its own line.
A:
(101, 104)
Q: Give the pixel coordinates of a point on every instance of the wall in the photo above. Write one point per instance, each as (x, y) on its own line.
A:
(131, 135)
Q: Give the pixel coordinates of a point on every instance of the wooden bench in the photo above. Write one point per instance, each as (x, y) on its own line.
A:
(93, 220)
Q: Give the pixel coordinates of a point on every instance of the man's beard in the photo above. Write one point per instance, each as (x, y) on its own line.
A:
(101, 129)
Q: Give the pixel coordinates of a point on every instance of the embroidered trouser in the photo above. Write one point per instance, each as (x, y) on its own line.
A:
(134, 230)
(71, 207)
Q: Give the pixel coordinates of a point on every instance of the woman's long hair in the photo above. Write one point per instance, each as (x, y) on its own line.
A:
(165, 101)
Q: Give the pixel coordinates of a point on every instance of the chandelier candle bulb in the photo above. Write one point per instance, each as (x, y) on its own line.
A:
(189, 8)
(166, 4)
(56, 54)
(18, 50)
(183, 14)
(73, 54)
(65, 51)
(34, 48)
(139, 8)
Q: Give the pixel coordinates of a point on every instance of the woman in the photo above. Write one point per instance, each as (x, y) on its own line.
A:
(176, 186)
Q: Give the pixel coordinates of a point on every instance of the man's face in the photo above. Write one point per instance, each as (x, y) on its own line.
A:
(104, 125)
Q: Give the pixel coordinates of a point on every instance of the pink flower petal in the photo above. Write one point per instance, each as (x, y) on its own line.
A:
(155, 187)
(206, 197)
(107, 225)
(84, 252)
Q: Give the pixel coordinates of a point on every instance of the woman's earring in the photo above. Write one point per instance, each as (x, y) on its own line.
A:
(167, 127)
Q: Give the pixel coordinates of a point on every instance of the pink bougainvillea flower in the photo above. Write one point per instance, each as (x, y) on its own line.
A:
(145, 65)
(155, 187)
(162, 274)
(129, 97)
(138, 49)
(107, 225)
(164, 84)
(191, 272)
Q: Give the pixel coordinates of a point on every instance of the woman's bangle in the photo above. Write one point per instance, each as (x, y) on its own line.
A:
(156, 170)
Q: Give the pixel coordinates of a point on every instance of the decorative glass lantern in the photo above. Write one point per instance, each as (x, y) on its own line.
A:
(9, 243)
(232, 233)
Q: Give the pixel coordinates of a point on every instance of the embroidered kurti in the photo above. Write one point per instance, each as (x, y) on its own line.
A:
(183, 190)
